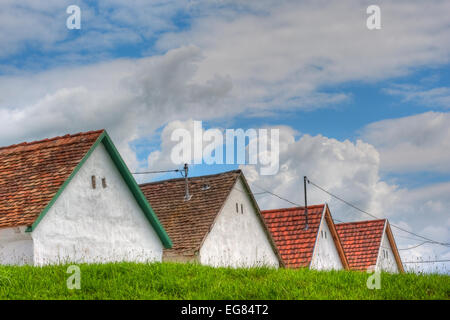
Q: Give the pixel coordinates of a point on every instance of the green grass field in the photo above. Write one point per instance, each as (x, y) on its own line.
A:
(189, 281)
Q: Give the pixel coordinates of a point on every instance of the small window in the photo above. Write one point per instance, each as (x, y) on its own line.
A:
(325, 234)
(93, 182)
(237, 207)
(321, 234)
(104, 183)
(242, 208)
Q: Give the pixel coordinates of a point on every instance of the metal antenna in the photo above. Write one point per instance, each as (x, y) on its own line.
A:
(306, 202)
(187, 196)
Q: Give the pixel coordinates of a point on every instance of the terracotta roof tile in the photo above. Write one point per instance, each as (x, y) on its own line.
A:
(31, 174)
(287, 227)
(361, 241)
(188, 222)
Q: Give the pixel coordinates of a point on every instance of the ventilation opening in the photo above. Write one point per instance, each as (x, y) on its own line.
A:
(206, 187)
(93, 182)
(104, 183)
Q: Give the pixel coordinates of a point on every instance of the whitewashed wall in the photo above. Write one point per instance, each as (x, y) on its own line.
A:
(16, 246)
(325, 255)
(238, 239)
(96, 225)
(386, 263)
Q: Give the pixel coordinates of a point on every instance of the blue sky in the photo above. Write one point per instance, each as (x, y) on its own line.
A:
(311, 68)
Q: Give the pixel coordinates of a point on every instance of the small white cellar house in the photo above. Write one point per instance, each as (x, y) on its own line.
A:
(218, 224)
(72, 199)
(370, 244)
(306, 238)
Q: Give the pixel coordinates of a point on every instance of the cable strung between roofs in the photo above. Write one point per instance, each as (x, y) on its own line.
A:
(373, 216)
(296, 204)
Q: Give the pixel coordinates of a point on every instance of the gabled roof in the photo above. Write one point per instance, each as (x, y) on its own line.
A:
(362, 242)
(34, 174)
(189, 222)
(295, 244)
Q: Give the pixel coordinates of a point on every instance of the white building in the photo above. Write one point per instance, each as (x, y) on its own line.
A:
(220, 225)
(72, 199)
(370, 244)
(306, 239)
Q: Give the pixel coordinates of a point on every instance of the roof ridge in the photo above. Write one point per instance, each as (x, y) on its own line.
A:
(195, 177)
(314, 206)
(23, 144)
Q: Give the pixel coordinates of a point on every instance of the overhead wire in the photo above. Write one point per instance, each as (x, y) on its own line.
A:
(427, 261)
(296, 204)
(373, 216)
(157, 171)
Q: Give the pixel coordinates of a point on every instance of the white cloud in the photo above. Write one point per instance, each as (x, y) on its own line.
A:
(282, 54)
(34, 31)
(130, 98)
(435, 97)
(349, 169)
(30, 23)
(277, 54)
(250, 59)
(415, 143)
(161, 159)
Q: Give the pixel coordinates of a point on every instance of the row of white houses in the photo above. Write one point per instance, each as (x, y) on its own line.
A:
(72, 199)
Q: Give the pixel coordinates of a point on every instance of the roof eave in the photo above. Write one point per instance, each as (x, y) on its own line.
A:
(394, 247)
(336, 238)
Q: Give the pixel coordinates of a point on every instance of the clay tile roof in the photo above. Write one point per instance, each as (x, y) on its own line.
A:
(31, 174)
(188, 222)
(287, 226)
(361, 241)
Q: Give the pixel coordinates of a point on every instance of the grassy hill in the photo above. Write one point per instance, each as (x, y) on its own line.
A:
(188, 281)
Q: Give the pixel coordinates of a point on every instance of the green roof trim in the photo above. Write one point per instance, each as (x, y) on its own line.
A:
(136, 191)
(129, 180)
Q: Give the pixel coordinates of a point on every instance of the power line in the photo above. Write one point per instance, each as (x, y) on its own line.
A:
(409, 238)
(254, 193)
(420, 244)
(296, 204)
(373, 216)
(160, 171)
(428, 261)
(280, 197)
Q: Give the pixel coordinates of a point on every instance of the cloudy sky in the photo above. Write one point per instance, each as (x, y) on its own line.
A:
(363, 113)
